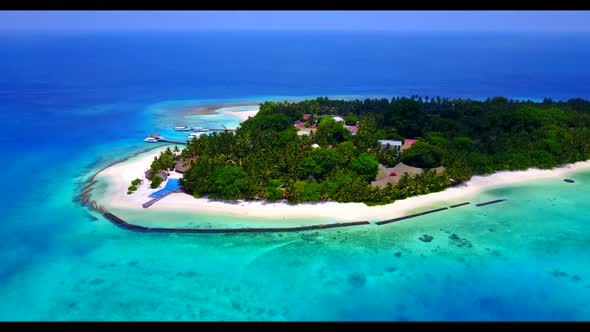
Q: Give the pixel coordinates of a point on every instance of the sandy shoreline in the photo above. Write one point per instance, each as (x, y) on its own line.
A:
(214, 108)
(242, 115)
(120, 176)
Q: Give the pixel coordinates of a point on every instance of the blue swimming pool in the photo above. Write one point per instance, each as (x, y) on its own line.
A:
(172, 184)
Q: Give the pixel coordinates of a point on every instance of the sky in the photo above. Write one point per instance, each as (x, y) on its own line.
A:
(476, 21)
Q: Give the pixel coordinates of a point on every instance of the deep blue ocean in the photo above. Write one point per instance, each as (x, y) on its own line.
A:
(71, 103)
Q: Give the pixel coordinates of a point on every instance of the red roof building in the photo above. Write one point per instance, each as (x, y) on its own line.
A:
(353, 129)
(299, 124)
(409, 141)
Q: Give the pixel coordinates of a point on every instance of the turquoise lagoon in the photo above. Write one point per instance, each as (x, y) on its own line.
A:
(522, 259)
(69, 105)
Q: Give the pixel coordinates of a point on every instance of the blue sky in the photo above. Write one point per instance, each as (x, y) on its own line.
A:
(501, 21)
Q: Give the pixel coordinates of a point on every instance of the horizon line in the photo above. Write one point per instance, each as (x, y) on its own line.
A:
(291, 30)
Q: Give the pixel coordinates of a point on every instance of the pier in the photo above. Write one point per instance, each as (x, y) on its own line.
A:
(155, 138)
(170, 141)
(198, 129)
(152, 201)
(222, 129)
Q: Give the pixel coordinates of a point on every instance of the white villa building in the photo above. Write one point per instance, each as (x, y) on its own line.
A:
(386, 142)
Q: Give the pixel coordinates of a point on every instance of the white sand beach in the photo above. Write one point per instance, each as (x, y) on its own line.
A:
(120, 176)
(242, 115)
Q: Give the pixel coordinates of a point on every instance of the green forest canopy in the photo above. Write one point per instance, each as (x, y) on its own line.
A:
(266, 159)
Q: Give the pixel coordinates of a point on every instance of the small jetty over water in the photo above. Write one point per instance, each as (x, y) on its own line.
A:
(223, 129)
(182, 128)
(155, 138)
(196, 132)
(152, 201)
(203, 129)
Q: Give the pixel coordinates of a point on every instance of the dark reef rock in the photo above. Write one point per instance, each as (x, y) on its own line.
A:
(569, 180)
(398, 254)
(236, 305)
(577, 278)
(96, 282)
(558, 273)
(454, 237)
(357, 279)
(425, 238)
(91, 217)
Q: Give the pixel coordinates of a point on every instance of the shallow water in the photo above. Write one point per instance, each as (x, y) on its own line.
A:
(71, 105)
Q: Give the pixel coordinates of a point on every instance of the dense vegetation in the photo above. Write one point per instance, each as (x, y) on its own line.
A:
(164, 162)
(156, 181)
(134, 184)
(266, 159)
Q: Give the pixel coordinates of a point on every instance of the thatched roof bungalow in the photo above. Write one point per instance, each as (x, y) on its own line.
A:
(162, 174)
(181, 166)
(393, 175)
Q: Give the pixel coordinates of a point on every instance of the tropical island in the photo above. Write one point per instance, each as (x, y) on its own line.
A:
(319, 150)
(353, 160)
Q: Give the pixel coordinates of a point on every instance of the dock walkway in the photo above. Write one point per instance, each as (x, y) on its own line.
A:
(152, 201)
(170, 141)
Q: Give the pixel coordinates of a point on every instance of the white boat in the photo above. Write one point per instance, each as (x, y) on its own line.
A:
(150, 140)
(194, 135)
(200, 129)
(182, 128)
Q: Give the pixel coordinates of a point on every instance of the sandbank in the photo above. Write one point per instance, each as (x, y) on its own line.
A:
(213, 109)
(242, 115)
